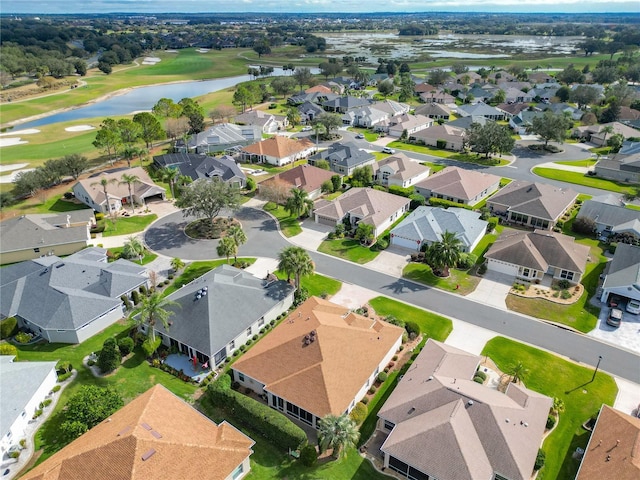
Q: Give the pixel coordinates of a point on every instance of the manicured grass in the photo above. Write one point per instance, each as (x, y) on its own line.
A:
(584, 180)
(578, 163)
(55, 204)
(431, 325)
(485, 243)
(148, 256)
(348, 249)
(197, 269)
(317, 285)
(128, 225)
(556, 377)
(289, 225)
(458, 281)
(438, 152)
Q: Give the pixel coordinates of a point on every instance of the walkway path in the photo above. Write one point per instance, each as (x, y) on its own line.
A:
(567, 168)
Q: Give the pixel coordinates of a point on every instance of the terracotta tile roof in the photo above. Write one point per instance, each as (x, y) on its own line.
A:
(319, 89)
(315, 376)
(307, 177)
(614, 448)
(279, 146)
(469, 430)
(459, 183)
(185, 445)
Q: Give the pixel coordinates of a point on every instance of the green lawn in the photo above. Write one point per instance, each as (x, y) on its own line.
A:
(148, 256)
(432, 325)
(128, 225)
(578, 163)
(53, 204)
(556, 377)
(317, 285)
(485, 243)
(197, 269)
(458, 281)
(581, 179)
(438, 152)
(348, 249)
(289, 225)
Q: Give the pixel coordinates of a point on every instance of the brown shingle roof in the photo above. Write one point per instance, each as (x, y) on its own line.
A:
(469, 430)
(185, 443)
(306, 177)
(278, 146)
(459, 183)
(614, 448)
(315, 376)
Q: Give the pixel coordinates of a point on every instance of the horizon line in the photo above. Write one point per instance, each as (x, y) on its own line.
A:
(502, 12)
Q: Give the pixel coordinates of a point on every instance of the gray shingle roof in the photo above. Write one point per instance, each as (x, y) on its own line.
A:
(539, 200)
(201, 166)
(458, 183)
(624, 269)
(66, 293)
(235, 300)
(346, 154)
(607, 214)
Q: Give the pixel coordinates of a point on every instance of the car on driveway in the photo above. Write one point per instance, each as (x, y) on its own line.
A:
(360, 136)
(615, 317)
(633, 306)
(388, 150)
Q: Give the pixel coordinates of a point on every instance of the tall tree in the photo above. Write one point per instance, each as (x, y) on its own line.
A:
(167, 108)
(151, 310)
(298, 204)
(129, 180)
(133, 248)
(104, 183)
(75, 164)
(206, 198)
(130, 131)
(330, 122)
(490, 138)
(88, 407)
(551, 126)
(227, 247)
(607, 130)
(303, 76)
(170, 175)
(177, 264)
(518, 372)
(245, 95)
(295, 261)
(195, 113)
(337, 432)
(446, 253)
(151, 127)
(236, 233)
(108, 138)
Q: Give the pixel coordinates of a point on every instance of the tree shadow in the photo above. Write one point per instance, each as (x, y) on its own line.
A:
(399, 285)
(135, 360)
(570, 465)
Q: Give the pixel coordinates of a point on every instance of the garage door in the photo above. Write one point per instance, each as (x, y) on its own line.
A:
(325, 221)
(404, 243)
(502, 267)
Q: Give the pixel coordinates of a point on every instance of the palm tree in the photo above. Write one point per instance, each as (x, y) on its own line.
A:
(153, 309)
(338, 433)
(239, 238)
(133, 248)
(558, 405)
(446, 253)
(227, 247)
(128, 179)
(607, 131)
(517, 371)
(295, 261)
(170, 175)
(177, 264)
(104, 183)
(299, 203)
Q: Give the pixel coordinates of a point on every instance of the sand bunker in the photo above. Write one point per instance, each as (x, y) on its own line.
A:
(150, 60)
(13, 166)
(202, 50)
(28, 131)
(8, 142)
(12, 176)
(171, 51)
(79, 128)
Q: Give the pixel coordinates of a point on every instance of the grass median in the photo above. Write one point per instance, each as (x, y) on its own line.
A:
(584, 180)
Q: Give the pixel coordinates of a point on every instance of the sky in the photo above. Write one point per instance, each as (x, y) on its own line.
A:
(39, 7)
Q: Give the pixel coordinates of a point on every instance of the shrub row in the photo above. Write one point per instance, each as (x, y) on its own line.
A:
(272, 425)
(441, 202)
(8, 328)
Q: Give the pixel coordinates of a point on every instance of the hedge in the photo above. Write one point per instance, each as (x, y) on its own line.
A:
(359, 413)
(412, 327)
(271, 424)
(441, 202)
(401, 191)
(8, 349)
(8, 327)
(125, 345)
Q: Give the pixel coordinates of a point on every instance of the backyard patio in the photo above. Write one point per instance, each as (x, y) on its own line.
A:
(186, 365)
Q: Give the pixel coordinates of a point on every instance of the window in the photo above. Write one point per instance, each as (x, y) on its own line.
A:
(232, 345)
(566, 275)
(261, 322)
(238, 471)
(389, 425)
(249, 332)
(36, 250)
(240, 377)
(526, 272)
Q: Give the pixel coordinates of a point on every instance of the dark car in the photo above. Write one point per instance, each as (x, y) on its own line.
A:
(615, 317)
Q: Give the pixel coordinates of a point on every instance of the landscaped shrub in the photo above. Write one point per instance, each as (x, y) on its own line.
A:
(109, 357)
(492, 223)
(242, 348)
(381, 244)
(271, 424)
(441, 202)
(127, 302)
(412, 327)
(540, 458)
(308, 455)
(125, 345)
(46, 402)
(482, 269)
(467, 260)
(565, 295)
(8, 349)
(372, 389)
(23, 337)
(382, 377)
(584, 225)
(8, 327)
(612, 248)
(481, 374)
(365, 400)
(62, 377)
(135, 296)
(149, 347)
(99, 216)
(359, 413)
(551, 422)
(395, 357)
(401, 191)
(417, 200)
(563, 284)
(478, 379)
(249, 342)
(143, 290)
(254, 338)
(300, 296)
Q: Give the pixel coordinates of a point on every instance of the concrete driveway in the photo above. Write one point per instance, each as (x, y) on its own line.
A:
(390, 261)
(313, 234)
(493, 289)
(627, 335)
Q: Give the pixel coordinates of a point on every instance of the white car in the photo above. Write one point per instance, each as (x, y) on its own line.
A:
(633, 306)
(388, 150)
(307, 128)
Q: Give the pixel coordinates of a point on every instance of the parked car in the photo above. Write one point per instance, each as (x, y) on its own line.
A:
(633, 306)
(360, 136)
(388, 150)
(615, 317)
(307, 128)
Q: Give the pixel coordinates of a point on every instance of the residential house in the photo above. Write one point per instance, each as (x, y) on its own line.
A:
(537, 205)
(23, 386)
(466, 122)
(514, 95)
(624, 166)
(90, 191)
(544, 93)
(532, 255)
(612, 448)
(478, 93)
(424, 88)
(467, 77)
(629, 116)
(540, 78)
(512, 109)
(309, 111)
(31, 236)
(317, 98)
(320, 89)
(199, 167)
(561, 109)
(523, 121)
(437, 97)
(344, 104)
(437, 111)
(219, 311)
(399, 170)
(221, 137)
(441, 424)
(300, 365)
(622, 274)
(366, 117)
(392, 108)
(407, 124)
(610, 216)
(344, 158)
(596, 134)
(440, 136)
(305, 177)
(481, 109)
(367, 205)
(459, 185)
(425, 225)
(269, 123)
(68, 300)
(156, 435)
(278, 150)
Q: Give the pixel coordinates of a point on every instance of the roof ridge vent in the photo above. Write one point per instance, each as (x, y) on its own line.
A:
(148, 454)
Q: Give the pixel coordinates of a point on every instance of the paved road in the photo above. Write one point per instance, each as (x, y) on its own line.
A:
(166, 237)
